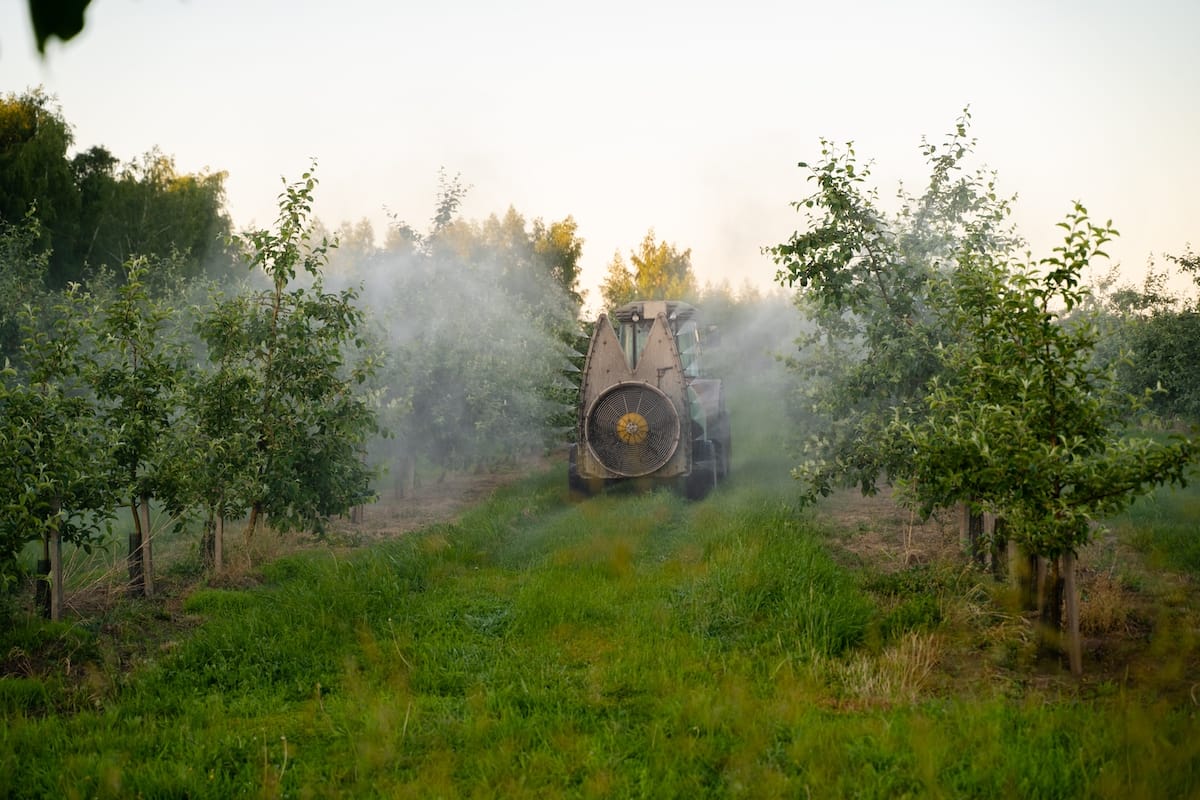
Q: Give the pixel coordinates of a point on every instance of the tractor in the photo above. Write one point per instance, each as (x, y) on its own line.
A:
(648, 416)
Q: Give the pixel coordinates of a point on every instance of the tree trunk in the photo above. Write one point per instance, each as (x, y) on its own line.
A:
(1050, 606)
(1071, 592)
(42, 592)
(137, 583)
(255, 513)
(406, 476)
(207, 543)
(1026, 570)
(219, 544)
(998, 549)
(56, 573)
(1040, 585)
(147, 547)
(971, 533)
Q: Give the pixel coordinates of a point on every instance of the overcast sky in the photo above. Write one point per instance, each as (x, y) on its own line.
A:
(685, 117)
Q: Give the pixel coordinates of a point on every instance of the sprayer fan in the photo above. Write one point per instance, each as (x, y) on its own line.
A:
(633, 429)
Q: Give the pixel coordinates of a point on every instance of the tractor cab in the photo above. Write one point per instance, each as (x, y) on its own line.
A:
(636, 319)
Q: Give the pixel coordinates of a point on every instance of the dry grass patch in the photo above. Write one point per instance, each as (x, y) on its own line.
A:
(901, 673)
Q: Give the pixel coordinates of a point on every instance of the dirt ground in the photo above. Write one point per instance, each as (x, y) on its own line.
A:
(434, 500)
(887, 536)
(1140, 624)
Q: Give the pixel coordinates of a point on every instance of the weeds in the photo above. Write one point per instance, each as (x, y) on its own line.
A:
(1163, 526)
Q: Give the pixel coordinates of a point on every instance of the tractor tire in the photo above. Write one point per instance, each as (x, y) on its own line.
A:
(577, 487)
(724, 445)
(703, 478)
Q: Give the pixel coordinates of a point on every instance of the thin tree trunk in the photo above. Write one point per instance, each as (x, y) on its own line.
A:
(1031, 576)
(137, 582)
(42, 592)
(1050, 607)
(1021, 574)
(999, 548)
(219, 543)
(255, 513)
(147, 547)
(406, 477)
(978, 536)
(56, 573)
(971, 533)
(206, 539)
(1071, 592)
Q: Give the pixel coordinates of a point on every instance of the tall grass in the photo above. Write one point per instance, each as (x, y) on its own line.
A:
(623, 647)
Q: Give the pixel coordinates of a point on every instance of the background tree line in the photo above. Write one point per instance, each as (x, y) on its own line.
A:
(95, 210)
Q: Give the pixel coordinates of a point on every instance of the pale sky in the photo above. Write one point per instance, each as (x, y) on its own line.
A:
(685, 117)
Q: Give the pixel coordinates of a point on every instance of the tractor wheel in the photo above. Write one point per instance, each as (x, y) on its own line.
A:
(577, 487)
(704, 470)
(724, 444)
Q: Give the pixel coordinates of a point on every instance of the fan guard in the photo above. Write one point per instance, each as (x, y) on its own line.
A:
(633, 429)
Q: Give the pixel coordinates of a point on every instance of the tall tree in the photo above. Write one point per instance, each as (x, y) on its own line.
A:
(35, 174)
(618, 286)
(95, 172)
(356, 246)
(479, 331)
(557, 248)
(97, 213)
(657, 271)
(1153, 337)
(149, 209)
(23, 267)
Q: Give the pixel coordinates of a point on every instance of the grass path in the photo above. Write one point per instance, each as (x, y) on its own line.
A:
(628, 646)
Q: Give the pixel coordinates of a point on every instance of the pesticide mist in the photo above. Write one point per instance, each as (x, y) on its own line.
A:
(480, 330)
(477, 324)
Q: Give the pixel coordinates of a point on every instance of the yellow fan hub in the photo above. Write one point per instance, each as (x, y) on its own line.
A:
(632, 428)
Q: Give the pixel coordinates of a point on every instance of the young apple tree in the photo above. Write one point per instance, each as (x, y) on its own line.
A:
(864, 280)
(56, 457)
(136, 381)
(1020, 420)
(290, 351)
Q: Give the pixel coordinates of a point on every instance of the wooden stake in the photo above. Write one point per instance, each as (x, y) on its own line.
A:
(219, 543)
(137, 584)
(147, 551)
(1071, 589)
(56, 574)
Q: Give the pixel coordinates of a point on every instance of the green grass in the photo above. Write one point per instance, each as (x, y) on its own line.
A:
(1166, 526)
(627, 646)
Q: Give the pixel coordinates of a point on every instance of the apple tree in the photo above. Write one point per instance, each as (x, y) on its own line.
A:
(1021, 420)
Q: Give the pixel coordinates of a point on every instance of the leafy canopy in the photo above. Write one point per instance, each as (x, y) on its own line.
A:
(1020, 418)
(294, 355)
(864, 279)
(660, 271)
